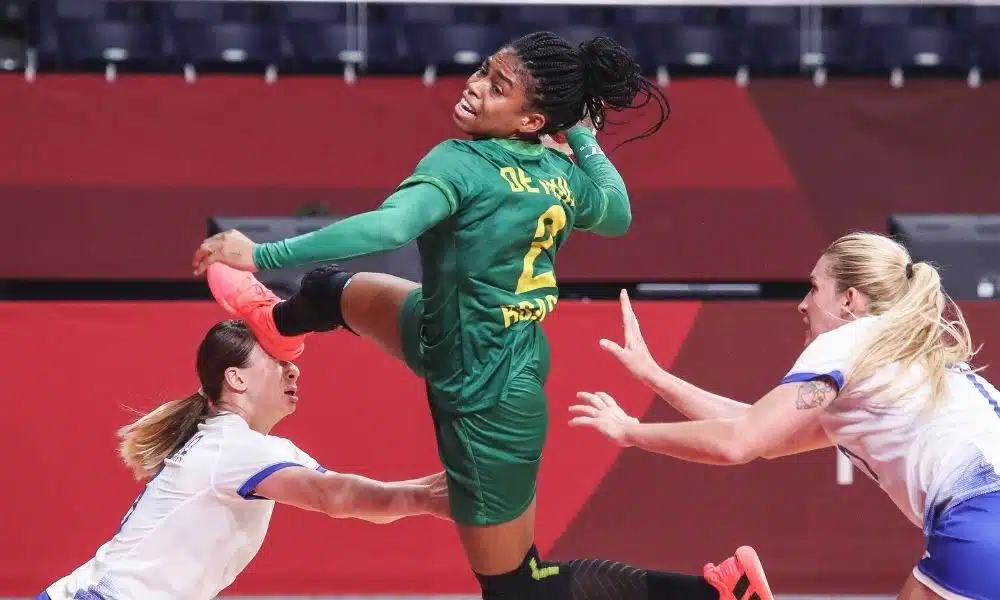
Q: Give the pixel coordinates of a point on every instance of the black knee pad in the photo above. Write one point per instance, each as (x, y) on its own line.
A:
(531, 580)
(324, 285)
(316, 306)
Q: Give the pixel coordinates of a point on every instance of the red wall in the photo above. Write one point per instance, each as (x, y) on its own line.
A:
(70, 369)
(94, 174)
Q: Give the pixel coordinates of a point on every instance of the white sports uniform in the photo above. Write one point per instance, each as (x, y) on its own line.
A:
(940, 465)
(195, 526)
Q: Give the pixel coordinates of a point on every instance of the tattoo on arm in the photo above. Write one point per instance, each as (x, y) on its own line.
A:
(814, 393)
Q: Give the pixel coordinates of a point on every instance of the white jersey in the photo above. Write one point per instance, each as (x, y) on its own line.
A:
(196, 525)
(925, 459)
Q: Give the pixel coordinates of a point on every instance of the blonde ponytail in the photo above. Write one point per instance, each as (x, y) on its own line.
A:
(919, 323)
(148, 441)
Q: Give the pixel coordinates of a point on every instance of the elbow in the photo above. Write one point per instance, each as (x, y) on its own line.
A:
(398, 239)
(737, 454)
(334, 496)
(623, 228)
(772, 454)
(624, 220)
(738, 448)
(617, 225)
(355, 497)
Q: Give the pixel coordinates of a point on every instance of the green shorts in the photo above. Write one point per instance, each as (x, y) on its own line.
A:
(492, 455)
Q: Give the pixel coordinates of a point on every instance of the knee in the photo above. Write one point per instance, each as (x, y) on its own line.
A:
(324, 286)
(316, 306)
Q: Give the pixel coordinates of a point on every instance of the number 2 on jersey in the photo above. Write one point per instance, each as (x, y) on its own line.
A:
(549, 225)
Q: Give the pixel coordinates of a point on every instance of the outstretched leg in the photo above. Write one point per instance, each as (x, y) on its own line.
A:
(740, 577)
(380, 307)
(492, 455)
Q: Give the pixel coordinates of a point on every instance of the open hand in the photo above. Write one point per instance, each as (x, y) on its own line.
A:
(600, 411)
(435, 495)
(557, 141)
(229, 247)
(634, 356)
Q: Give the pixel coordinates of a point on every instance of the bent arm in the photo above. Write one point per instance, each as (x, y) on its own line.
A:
(342, 495)
(403, 217)
(785, 417)
(617, 211)
(698, 404)
(807, 440)
(689, 399)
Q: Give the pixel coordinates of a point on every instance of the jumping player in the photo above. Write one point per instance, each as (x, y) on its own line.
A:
(214, 475)
(489, 216)
(884, 377)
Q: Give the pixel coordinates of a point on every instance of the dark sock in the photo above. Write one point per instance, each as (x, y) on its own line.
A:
(316, 306)
(678, 585)
(294, 317)
(591, 579)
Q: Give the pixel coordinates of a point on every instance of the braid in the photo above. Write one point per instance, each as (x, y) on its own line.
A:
(570, 82)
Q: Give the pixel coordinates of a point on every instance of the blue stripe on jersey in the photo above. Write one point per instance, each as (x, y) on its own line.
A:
(837, 376)
(43, 596)
(321, 469)
(974, 380)
(88, 595)
(246, 490)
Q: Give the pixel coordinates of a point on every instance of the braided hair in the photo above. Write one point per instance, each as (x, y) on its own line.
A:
(570, 82)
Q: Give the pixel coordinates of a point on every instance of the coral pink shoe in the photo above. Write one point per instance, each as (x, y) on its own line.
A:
(740, 577)
(241, 295)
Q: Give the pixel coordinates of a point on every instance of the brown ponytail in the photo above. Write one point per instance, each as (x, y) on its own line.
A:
(148, 441)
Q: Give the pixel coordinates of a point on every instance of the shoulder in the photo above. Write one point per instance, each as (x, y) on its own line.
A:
(455, 148)
(238, 442)
(830, 353)
(561, 161)
(848, 335)
(452, 159)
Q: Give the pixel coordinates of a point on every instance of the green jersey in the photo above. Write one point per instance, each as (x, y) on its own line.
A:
(489, 269)
(489, 217)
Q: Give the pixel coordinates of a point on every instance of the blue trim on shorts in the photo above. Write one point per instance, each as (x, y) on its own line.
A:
(963, 548)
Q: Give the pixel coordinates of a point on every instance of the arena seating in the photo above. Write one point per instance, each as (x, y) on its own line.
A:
(401, 38)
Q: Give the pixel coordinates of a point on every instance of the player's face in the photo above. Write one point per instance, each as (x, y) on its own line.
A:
(494, 102)
(823, 308)
(272, 384)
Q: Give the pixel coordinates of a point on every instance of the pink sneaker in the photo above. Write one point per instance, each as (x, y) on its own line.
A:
(241, 295)
(740, 577)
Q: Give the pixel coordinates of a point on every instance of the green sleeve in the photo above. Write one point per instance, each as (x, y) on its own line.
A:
(602, 200)
(410, 211)
(452, 167)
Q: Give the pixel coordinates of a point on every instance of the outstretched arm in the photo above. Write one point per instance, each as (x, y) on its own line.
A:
(403, 217)
(613, 215)
(787, 414)
(698, 404)
(342, 495)
(690, 400)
